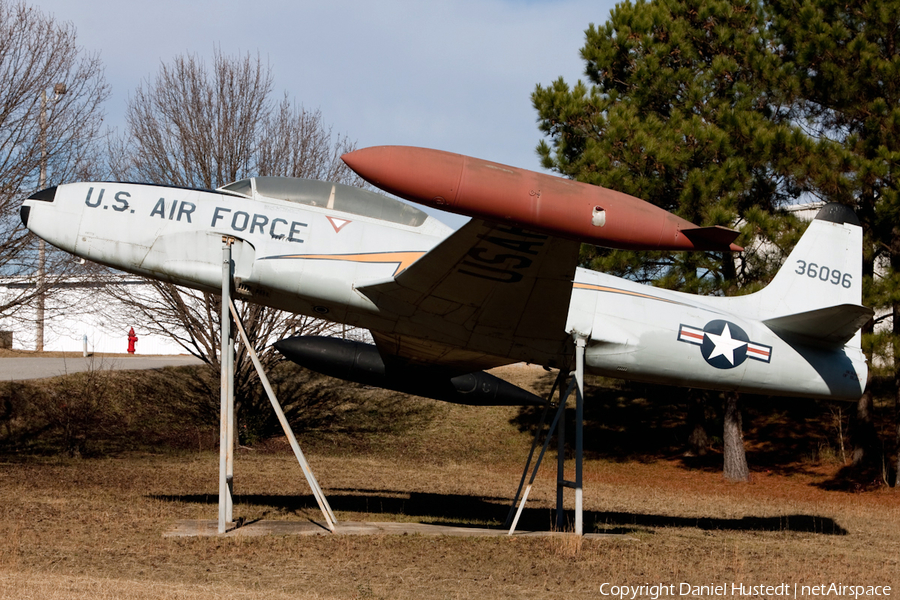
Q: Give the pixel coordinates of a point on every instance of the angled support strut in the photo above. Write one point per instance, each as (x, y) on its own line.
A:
(330, 519)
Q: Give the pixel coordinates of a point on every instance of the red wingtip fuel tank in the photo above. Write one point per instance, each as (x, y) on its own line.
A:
(479, 188)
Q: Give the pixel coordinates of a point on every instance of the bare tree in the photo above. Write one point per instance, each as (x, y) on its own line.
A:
(296, 143)
(203, 127)
(192, 319)
(51, 95)
(198, 127)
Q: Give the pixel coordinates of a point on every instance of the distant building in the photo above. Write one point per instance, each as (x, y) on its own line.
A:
(78, 311)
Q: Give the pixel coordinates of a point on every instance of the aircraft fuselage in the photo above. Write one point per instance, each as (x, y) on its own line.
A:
(312, 254)
(295, 257)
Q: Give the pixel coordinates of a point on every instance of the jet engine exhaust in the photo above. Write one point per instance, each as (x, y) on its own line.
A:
(362, 363)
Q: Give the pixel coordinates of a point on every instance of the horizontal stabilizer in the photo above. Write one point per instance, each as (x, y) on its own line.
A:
(835, 324)
(713, 238)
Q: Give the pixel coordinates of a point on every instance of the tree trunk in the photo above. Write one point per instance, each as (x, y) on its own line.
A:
(895, 478)
(863, 436)
(862, 432)
(895, 318)
(736, 468)
(698, 440)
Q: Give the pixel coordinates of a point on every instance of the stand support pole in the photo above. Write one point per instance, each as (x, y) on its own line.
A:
(579, 435)
(226, 409)
(561, 461)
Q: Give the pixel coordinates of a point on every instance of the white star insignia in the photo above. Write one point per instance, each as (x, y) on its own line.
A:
(725, 345)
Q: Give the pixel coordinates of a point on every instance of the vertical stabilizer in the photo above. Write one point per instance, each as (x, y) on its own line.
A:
(817, 293)
(824, 269)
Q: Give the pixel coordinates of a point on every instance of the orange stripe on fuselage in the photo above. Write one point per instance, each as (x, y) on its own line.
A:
(611, 290)
(403, 259)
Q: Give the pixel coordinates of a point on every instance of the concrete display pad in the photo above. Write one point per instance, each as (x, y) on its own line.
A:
(209, 527)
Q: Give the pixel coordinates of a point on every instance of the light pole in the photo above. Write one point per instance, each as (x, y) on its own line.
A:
(58, 90)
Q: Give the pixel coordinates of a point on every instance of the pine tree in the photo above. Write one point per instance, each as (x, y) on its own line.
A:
(677, 114)
(682, 110)
(844, 60)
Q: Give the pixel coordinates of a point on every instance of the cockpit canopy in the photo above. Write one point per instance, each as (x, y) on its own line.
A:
(334, 196)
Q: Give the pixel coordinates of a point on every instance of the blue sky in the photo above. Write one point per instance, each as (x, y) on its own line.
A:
(453, 75)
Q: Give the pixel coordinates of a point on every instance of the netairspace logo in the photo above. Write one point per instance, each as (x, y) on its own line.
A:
(714, 590)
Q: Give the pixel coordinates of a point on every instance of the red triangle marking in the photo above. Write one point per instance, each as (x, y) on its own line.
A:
(338, 224)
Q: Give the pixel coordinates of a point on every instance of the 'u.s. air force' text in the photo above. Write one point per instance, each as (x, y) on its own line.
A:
(174, 210)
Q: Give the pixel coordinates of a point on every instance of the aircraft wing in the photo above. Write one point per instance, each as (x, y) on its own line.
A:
(488, 295)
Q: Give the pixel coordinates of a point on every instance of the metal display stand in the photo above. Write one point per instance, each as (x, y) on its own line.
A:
(226, 437)
(576, 384)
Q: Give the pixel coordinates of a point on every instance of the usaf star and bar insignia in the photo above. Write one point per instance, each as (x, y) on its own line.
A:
(724, 345)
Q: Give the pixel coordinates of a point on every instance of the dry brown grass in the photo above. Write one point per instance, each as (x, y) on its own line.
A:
(94, 528)
(80, 529)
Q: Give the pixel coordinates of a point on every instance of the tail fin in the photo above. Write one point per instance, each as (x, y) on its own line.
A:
(818, 291)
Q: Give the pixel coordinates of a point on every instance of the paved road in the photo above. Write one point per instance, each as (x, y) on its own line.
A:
(19, 369)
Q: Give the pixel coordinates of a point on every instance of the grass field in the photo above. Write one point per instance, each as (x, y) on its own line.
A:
(93, 528)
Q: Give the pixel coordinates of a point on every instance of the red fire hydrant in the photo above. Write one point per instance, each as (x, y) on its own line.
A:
(131, 340)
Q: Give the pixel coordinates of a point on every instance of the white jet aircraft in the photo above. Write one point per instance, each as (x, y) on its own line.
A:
(443, 305)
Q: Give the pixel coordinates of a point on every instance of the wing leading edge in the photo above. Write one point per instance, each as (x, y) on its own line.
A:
(488, 295)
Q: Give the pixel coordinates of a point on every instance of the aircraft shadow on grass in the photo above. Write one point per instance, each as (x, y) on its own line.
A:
(476, 512)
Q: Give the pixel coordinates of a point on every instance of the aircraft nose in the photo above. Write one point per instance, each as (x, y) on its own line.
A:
(45, 195)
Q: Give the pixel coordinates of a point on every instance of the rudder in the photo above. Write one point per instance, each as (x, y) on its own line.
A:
(817, 293)
(823, 270)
